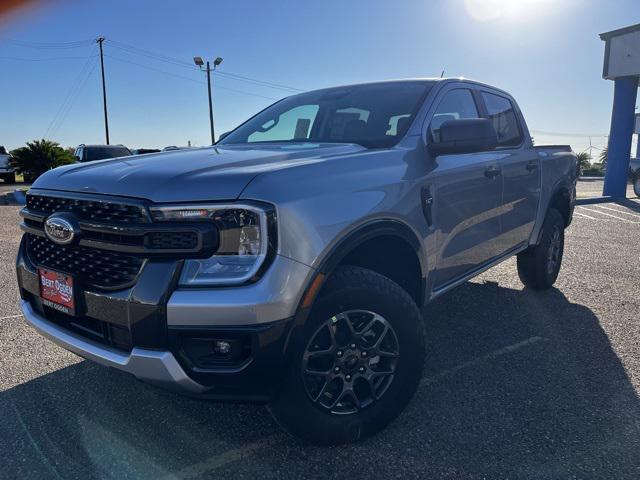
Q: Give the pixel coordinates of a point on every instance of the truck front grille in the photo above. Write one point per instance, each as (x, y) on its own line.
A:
(98, 268)
(85, 209)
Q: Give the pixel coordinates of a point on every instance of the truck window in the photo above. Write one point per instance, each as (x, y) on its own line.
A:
(292, 124)
(505, 121)
(373, 115)
(455, 105)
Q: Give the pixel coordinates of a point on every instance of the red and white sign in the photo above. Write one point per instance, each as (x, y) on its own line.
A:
(56, 290)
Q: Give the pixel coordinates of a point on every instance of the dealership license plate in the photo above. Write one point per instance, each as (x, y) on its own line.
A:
(56, 291)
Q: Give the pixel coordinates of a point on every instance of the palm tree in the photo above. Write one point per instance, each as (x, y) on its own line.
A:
(584, 161)
(603, 156)
(38, 157)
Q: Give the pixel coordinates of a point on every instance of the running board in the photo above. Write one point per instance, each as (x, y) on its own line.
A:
(468, 276)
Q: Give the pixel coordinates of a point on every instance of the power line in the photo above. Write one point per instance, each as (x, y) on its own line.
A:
(184, 64)
(574, 135)
(47, 45)
(21, 59)
(74, 90)
(187, 78)
(69, 108)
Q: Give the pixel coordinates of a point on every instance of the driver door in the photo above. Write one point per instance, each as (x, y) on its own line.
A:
(467, 193)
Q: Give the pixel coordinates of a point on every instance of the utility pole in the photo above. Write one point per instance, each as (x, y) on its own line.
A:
(99, 40)
(199, 62)
(213, 137)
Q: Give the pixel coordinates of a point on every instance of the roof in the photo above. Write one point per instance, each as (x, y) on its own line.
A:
(621, 31)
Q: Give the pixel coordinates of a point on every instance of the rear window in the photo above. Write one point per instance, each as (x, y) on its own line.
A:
(505, 121)
(100, 153)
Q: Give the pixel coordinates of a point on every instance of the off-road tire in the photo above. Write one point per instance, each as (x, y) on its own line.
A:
(351, 289)
(539, 265)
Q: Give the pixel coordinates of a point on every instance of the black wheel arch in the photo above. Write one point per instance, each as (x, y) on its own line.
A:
(359, 236)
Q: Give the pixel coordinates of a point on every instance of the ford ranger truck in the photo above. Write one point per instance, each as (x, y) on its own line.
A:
(289, 263)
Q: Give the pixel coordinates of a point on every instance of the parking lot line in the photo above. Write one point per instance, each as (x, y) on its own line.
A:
(199, 469)
(477, 360)
(584, 215)
(619, 211)
(607, 214)
(10, 316)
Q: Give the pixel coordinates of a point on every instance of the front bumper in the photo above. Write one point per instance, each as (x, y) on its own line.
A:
(157, 367)
(160, 333)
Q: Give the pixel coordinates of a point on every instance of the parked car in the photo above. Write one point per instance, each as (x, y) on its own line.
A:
(6, 172)
(634, 174)
(89, 153)
(142, 151)
(289, 263)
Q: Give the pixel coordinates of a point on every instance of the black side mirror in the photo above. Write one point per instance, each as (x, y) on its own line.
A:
(466, 135)
(77, 158)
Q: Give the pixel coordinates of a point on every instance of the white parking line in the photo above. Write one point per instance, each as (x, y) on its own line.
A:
(625, 220)
(484, 358)
(10, 316)
(584, 215)
(224, 458)
(619, 211)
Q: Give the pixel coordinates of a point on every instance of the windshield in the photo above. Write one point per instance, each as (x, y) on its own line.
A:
(372, 115)
(100, 153)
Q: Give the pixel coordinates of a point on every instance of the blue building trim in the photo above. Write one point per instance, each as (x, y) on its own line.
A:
(622, 123)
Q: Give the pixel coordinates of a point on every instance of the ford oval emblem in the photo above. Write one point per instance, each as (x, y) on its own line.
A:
(59, 230)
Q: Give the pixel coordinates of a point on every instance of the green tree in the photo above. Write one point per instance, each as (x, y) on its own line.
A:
(39, 156)
(603, 156)
(584, 161)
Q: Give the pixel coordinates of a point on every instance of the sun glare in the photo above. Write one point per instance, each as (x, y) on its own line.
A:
(484, 10)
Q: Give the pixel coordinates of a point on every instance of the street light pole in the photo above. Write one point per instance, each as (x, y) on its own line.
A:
(213, 138)
(104, 90)
(199, 62)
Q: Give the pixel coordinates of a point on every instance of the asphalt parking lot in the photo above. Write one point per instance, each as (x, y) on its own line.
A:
(518, 384)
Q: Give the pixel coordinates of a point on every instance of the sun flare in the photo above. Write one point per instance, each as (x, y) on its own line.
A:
(483, 10)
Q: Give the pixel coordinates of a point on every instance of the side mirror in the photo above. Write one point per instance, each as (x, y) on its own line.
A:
(466, 135)
(77, 158)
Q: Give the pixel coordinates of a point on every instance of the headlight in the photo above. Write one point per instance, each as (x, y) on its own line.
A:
(243, 242)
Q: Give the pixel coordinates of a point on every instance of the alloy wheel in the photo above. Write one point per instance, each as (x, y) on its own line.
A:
(350, 361)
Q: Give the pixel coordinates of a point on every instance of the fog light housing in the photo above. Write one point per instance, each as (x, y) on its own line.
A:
(222, 347)
(205, 352)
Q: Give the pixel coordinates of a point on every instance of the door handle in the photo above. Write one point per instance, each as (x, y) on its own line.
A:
(492, 172)
(532, 165)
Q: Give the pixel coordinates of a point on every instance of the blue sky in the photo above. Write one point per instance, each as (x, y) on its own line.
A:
(545, 52)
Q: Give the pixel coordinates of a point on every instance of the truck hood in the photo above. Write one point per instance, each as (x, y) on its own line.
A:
(202, 174)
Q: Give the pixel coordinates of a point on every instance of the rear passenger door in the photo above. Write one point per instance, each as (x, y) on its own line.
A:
(520, 168)
(466, 197)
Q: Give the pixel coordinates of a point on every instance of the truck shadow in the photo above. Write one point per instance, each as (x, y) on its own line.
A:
(518, 384)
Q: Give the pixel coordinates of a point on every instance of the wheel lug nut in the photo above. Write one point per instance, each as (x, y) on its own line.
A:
(336, 370)
(339, 353)
(361, 369)
(353, 346)
(364, 354)
(348, 378)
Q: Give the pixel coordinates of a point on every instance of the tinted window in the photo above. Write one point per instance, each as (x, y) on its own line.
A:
(373, 115)
(503, 116)
(455, 105)
(100, 153)
(292, 124)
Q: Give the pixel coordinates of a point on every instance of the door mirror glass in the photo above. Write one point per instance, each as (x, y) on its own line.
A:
(465, 136)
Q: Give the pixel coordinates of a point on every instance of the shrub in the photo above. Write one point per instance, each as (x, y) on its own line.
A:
(37, 157)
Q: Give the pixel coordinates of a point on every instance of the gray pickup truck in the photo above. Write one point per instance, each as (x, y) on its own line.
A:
(289, 263)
